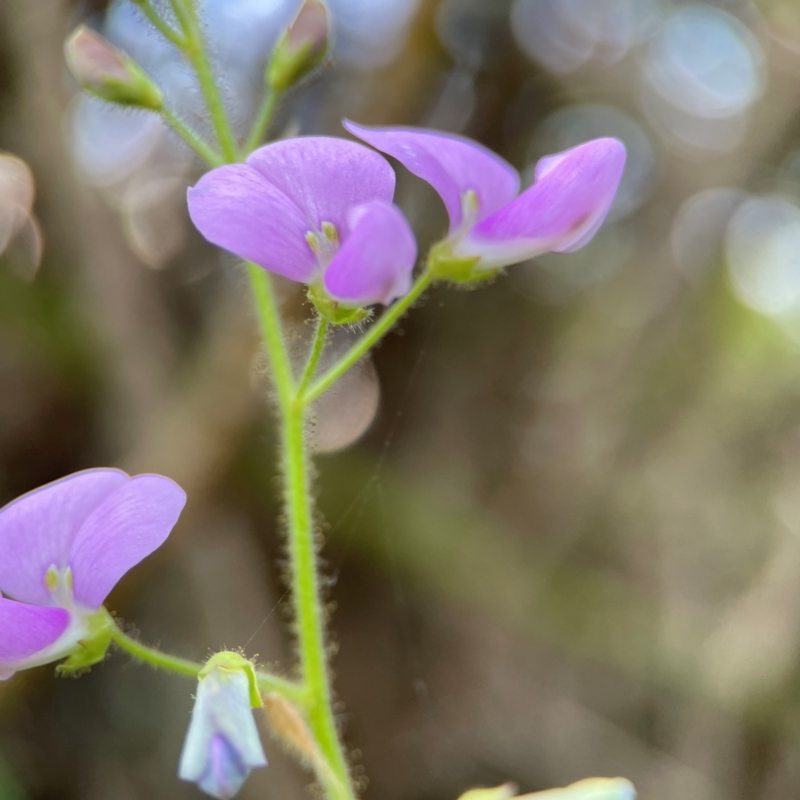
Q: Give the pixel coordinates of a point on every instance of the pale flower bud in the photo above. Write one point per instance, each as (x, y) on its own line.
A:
(222, 744)
(109, 73)
(302, 48)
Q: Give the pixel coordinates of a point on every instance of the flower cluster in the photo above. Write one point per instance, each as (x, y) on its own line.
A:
(319, 210)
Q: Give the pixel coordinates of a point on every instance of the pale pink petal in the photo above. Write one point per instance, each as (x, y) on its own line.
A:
(129, 525)
(26, 631)
(560, 212)
(237, 209)
(325, 177)
(37, 530)
(374, 264)
(453, 165)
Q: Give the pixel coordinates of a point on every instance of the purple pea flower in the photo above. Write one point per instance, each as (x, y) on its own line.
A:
(63, 548)
(317, 210)
(491, 224)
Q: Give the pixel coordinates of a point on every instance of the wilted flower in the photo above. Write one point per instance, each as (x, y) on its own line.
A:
(64, 547)
(491, 225)
(108, 73)
(302, 48)
(222, 744)
(317, 210)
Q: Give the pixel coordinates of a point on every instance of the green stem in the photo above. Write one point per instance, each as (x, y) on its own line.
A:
(308, 606)
(207, 153)
(267, 682)
(314, 354)
(195, 51)
(262, 120)
(368, 340)
(141, 652)
(272, 333)
(160, 24)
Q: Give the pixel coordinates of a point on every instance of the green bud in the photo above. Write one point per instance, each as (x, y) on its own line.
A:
(109, 73)
(92, 648)
(333, 310)
(302, 48)
(444, 265)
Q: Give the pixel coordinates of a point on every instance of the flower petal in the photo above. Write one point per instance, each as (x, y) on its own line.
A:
(452, 164)
(26, 630)
(374, 264)
(235, 208)
(325, 176)
(37, 530)
(561, 212)
(129, 525)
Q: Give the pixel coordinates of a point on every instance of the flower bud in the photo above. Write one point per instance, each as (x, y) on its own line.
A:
(109, 73)
(302, 48)
(587, 789)
(222, 744)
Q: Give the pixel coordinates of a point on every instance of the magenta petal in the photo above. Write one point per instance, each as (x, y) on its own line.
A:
(129, 525)
(374, 264)
(452, 164)
(235, 208)
(37, 530)
(560, 212)
(325, 177)
(26, 630)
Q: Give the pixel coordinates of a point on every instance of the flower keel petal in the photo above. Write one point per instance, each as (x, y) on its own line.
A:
(560, 212)
(374, 264)
(27, 631)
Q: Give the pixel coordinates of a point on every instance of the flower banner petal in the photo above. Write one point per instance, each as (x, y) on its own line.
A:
(452, 164)
(560, 212)
(37, 530)
(26, 630)
(235, 208)
(374, 264)
(129, 525)
(325, 177)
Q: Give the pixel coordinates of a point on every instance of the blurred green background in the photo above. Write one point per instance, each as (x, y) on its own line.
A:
(561, 511)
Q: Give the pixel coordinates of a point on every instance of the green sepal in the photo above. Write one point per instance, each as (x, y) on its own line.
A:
(504, 792)
(333, 310)
(92, 648)
(444, 265)
(229, 661)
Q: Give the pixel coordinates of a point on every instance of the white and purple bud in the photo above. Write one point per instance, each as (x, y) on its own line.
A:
(223, 744)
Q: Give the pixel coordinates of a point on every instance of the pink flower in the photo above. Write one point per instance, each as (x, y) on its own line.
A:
(491, 224)
(63, 548)
(317, 210)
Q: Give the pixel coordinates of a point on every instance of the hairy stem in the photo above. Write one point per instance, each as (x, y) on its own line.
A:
(195, 51)
(309, 611)
(155, 658)
(262, 120)
(267, 682)
(204, 150)
(368, 340)
(317, 346)
(160, 24)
